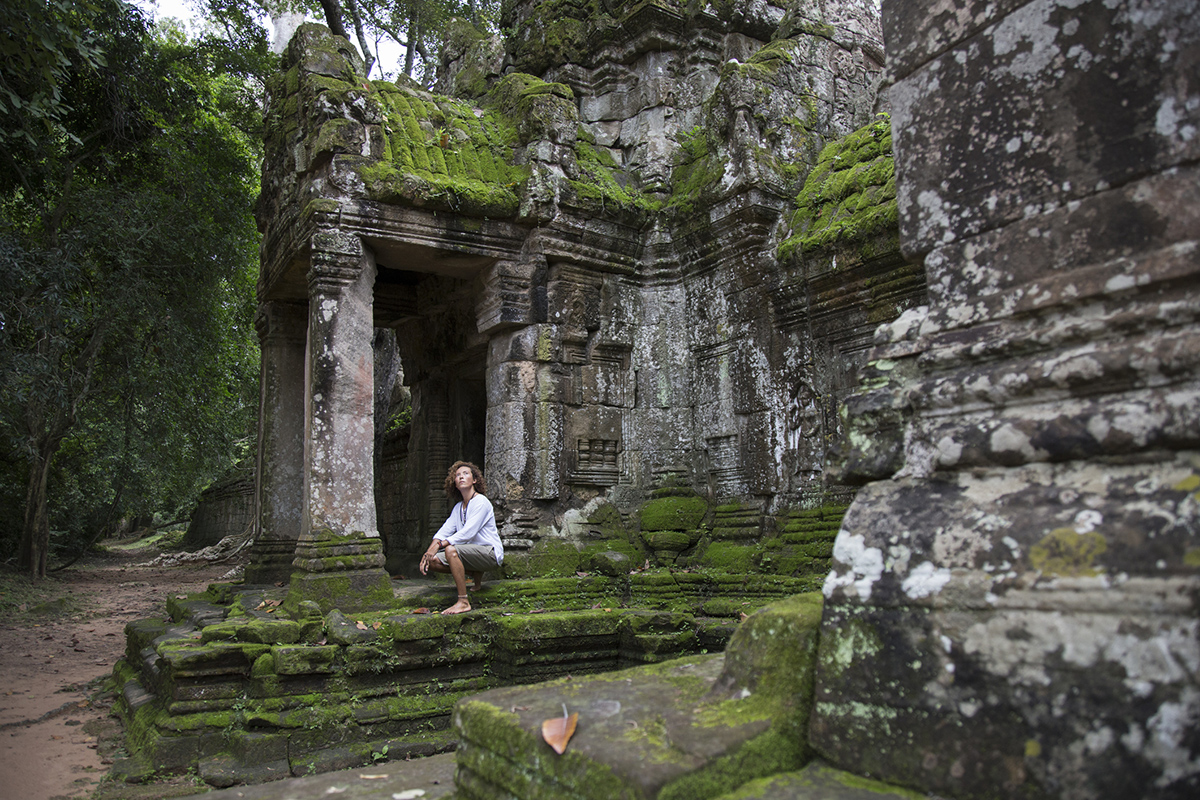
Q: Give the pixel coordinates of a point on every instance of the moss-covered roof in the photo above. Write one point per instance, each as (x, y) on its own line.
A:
(453, 155)
(849, 195)
(445, 154)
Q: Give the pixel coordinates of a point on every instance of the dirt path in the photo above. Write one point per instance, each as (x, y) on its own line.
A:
(53, 659)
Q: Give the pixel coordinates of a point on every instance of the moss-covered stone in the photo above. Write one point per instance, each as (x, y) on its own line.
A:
(850, 195)
(673, 514)
(548, 558)
(820, 780)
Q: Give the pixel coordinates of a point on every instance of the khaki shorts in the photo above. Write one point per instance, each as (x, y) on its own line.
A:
(475, 557)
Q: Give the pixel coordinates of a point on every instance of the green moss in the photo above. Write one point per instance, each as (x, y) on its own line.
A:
(767, 754)
(604, 187)
(444, 155)
(850, 195)
(673, 541)
(673, 514)
(517, 631)
(818, 780)
(728, 557)
(547, 558)
(696, 171)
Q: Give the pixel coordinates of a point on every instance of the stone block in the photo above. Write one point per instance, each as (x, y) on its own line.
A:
(1024, 616)
(302, 660)
(340, 629)
(916, 32)
(822, 781)
(1056, 94)
(645, 732)
(223, 771)
(191, 659)
(1112, 240)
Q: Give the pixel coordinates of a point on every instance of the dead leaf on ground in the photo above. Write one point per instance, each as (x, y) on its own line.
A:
(377, 625)
(557, 731)
(361, 625)
(421, 610)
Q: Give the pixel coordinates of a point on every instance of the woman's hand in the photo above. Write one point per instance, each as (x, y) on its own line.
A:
(428, 557)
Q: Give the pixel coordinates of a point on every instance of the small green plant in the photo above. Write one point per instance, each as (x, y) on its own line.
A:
(380, 754)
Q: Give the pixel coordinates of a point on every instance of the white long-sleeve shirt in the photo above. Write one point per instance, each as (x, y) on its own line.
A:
(479, 527)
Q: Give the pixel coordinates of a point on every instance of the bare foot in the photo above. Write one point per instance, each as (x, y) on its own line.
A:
(478, 582)
(461, 607)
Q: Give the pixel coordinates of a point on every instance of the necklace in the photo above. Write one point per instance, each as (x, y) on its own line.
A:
(463, 511)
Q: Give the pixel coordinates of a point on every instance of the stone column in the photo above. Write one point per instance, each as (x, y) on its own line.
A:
(339, 557)
(279, 480)
(1013, 607)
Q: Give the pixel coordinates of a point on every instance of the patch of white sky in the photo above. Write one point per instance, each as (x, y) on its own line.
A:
(390, 55)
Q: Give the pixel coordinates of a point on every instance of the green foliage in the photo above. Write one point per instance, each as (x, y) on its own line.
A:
(43, 41)
(128, 360)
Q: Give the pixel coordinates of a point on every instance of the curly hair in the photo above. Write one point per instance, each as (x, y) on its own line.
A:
(452, 491)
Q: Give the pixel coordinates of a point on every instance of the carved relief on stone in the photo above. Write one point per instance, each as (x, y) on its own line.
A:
(594, 462)
(505, 299)
(804, 428)
(725, 474)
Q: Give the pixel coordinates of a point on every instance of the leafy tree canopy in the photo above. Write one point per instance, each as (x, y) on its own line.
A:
(413, 26)
(128, 361)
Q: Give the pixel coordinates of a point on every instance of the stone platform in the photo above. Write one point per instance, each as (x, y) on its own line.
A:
(729, 726)
(247, 688)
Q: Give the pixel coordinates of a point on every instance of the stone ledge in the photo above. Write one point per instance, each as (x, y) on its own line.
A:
(690, 728)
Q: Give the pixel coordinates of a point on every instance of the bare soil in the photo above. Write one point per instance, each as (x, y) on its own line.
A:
(57, 735)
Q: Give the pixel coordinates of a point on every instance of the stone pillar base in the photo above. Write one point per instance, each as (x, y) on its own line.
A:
(270, 562)
(343, 572)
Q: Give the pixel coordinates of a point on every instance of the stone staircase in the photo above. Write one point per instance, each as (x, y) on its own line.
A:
(733, 725)
(728, 726)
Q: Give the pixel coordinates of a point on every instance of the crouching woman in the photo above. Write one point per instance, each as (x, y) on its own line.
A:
(468, 541)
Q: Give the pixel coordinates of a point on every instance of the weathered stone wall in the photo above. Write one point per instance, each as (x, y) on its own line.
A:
(225, 509)
(1013, 606)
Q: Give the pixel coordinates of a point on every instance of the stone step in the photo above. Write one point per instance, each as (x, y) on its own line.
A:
(819, 781)
(687, 729)
(424, 778)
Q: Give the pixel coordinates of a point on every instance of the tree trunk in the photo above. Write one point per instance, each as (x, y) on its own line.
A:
(35, 536)
(414, 31)
(333, 17)
(356, 18)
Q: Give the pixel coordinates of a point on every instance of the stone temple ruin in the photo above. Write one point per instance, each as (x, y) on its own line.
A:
(656, 267)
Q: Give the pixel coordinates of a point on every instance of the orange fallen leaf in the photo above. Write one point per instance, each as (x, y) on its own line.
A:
(360, 625)
(421, 610)
(377, 625)
(559, 730)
